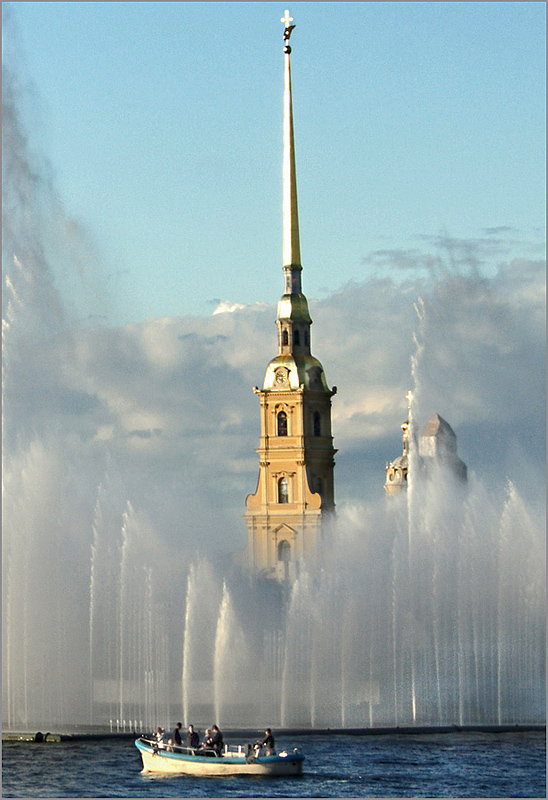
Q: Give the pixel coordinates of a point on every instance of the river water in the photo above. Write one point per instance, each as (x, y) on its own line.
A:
(427, 765)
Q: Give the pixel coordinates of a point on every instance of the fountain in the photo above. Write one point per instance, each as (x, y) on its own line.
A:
(426, 610)
(429, 624)
(437, 623)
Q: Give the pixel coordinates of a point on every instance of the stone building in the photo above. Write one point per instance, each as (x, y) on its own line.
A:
(295, 489)
(436, 446)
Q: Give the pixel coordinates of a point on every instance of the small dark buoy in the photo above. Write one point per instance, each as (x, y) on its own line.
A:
(39, 737)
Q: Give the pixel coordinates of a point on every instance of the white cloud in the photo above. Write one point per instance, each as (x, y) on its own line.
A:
(226, 307)
(172, 398)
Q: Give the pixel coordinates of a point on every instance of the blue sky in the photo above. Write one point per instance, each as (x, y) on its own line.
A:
(162, 125)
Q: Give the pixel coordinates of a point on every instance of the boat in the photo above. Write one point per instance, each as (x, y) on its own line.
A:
(233, 760)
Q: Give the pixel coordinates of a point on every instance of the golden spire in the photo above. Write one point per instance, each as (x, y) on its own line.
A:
(291, 248)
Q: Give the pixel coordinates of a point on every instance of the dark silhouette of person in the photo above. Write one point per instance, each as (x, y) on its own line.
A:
(216, 739)
(176, 735)
(267, 742)
(192, 737)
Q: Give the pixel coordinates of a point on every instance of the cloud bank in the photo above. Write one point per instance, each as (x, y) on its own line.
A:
(169, 402)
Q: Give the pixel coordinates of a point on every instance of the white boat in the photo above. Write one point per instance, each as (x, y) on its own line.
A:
(234, 760)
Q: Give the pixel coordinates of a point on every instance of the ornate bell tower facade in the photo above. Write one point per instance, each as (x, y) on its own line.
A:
(295, 490)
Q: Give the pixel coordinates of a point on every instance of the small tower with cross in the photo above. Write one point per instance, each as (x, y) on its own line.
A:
(436, 449)
(396, 472)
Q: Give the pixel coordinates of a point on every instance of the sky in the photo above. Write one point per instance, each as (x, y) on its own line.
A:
(162, 126)
(142, 243)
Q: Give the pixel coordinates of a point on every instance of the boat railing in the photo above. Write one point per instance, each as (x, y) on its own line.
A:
(193, 751)
(237, 750)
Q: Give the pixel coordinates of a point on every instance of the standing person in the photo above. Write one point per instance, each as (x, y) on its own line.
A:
(216, 739)
(192, 737)
(267, 742)
(176, 735)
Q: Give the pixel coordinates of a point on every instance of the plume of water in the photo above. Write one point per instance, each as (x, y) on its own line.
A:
(203, 596)
(142, 638)
(296, 683)
(233, 666)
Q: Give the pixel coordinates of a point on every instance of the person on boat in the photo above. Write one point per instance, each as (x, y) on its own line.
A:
(159, 736)
(207, 739)
(216, 739)
(267, 743)
(176, 735)
(192, 737)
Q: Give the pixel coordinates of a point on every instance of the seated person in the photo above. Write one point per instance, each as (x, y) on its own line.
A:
(162, 738)
(207, 743)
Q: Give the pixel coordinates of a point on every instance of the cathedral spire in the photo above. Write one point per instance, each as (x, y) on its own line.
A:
(293, 316)
(291, 246)
(295, 490)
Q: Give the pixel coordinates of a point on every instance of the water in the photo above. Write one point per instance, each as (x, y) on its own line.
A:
(440, 765)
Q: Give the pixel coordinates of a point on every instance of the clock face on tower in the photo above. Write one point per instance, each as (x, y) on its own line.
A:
(282, 378)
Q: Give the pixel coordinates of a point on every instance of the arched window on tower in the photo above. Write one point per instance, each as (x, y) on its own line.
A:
(317, 424)
(282, 424)
(283, 491)
(285, 338)
(284, 557)
(284, 551)
(296, 338)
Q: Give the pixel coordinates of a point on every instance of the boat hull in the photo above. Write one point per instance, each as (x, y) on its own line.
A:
(174, 763)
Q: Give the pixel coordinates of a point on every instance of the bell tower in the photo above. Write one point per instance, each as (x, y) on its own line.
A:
(295, 490)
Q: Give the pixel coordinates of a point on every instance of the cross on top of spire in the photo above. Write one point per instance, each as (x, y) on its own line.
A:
(286, 19)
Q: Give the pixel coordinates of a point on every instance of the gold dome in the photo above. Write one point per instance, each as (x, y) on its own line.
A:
(293, 371)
